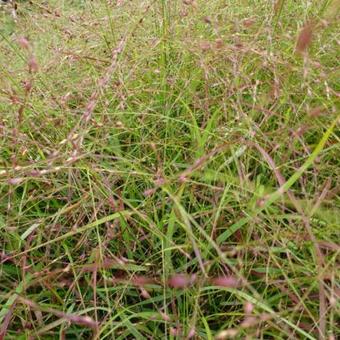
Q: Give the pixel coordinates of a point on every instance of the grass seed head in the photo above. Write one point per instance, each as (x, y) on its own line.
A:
(305, 38)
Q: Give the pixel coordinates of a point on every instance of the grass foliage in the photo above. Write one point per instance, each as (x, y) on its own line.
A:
(169, 169)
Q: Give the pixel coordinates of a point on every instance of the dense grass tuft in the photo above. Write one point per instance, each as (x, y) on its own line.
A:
(169, 169)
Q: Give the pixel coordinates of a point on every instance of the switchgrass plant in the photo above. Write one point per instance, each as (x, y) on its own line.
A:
(169, 169)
